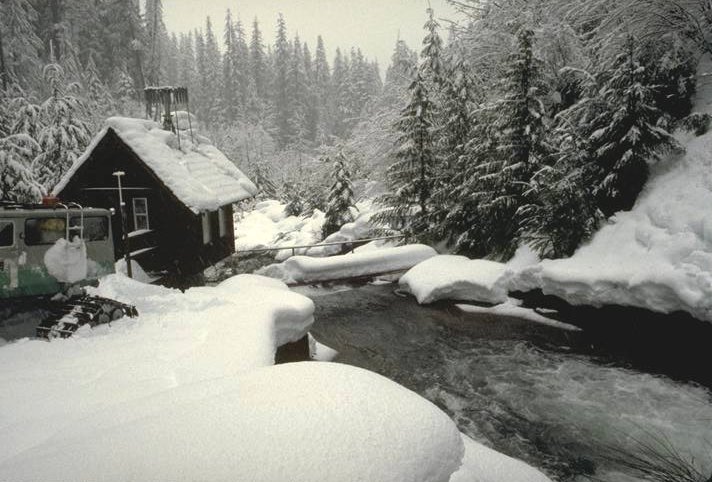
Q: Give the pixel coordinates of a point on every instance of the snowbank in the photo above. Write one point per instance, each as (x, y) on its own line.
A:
(456, 278)
(302, 269)
(657, 256)
(482, 464)
(298, 422)
(268, 226)
(198, 174)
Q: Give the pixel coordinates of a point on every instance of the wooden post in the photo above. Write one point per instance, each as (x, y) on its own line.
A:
(124, 233)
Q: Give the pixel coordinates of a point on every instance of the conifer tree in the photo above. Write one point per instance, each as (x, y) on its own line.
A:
(258, 62)
(627, 134)
(157, 38)
(280, 86)
(340, 199)
(230, 93)
(64, 134)
(20, 43)
(410, 176)
(504, 156)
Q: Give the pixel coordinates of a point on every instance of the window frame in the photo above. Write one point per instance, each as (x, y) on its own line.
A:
(10, 222)
(27, 238)
(136, 215)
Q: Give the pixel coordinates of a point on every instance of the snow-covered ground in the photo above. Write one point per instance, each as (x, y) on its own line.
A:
(658, 255)
(304, 269)
(187, 391)
(268, 226)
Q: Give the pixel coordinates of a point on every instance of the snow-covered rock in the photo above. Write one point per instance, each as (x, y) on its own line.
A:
(303, 269)
(456, 278)
(268, 226)
(298, 422)
(482, 464)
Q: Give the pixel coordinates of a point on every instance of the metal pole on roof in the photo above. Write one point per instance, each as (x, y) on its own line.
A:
(124, 233)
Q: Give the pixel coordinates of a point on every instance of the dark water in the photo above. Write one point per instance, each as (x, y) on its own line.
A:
(537, 393)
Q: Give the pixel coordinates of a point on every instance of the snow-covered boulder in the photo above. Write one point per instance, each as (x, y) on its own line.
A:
(482, 464)
(456, 278)
(303, 269)
(298, 422)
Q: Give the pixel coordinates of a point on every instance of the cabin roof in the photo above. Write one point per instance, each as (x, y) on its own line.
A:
(197, 173)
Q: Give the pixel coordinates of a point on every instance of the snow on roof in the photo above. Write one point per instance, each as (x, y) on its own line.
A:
(198, 174)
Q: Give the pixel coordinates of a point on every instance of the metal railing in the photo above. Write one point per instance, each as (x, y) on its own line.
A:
(354, 244)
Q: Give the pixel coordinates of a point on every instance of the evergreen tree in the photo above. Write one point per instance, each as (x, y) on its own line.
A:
(211, 76)
(627, 135)
(258, 67)
(410, 176)
(280, 86)
(64, 134)
(508, 150)
(20, 43)
(322, 91)
(230, 94)
(340, 199)
(157, 39)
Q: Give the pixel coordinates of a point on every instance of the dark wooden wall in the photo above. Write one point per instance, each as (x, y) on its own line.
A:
(176, 230)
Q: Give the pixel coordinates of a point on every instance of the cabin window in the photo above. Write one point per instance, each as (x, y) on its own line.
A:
(44, 230)
(95, 228)
(140, 213)
(7, 234)
(222, 221)
(207, 233)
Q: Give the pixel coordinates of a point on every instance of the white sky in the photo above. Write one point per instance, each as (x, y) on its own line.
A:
(372, 25)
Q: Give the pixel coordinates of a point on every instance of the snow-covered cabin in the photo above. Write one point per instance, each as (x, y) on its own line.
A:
(178, 198)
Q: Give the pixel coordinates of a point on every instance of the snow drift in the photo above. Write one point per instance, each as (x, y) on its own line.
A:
(456, 278)
(298, 422)
(303, 269)
(657, 256)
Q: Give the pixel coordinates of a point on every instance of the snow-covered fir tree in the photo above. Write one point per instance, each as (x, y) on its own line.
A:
(627, 134)
(410, 177)
(340, 199)
(64, 134)
(511, 147)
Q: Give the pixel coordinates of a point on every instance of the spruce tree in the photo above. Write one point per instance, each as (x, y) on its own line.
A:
(20, 43)
(280, 86)
(340, 199)
(410, 176)
(258, 61)
(509, 147)
(627, 135)
(230, 92)
(64, 134)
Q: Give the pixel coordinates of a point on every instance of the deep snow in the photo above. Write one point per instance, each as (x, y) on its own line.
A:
(658, 255)
(303, 269)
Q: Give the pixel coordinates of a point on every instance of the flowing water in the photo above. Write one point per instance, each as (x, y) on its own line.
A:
(533, 392)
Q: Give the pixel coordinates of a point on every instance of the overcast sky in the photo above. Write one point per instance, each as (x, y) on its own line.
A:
(372, 25)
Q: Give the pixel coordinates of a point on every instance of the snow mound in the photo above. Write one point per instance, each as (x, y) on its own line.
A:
(67, 260)
(456, 278)
(298, 422)
(302, 269)
(482, 464)
(657, 256)
(198, 174)
(268, 226)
